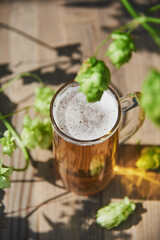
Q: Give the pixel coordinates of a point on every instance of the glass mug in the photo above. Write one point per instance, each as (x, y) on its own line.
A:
(87, 166)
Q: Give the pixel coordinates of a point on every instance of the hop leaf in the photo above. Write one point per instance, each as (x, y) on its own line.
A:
(4, 182)
(150, 99)
(8, 143)
(36, 132)
(115, 213)
(6, 171)
(149, 159)
(94, 78)
(4, 176)
(43, 96)
(120, 50)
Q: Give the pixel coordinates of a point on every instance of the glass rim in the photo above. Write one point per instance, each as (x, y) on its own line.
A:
(75, 140)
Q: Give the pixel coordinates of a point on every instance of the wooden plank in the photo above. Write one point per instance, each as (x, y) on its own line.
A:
(51, 38)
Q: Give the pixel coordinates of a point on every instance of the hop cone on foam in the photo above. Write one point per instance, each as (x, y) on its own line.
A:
(115, 213)
(93, 78)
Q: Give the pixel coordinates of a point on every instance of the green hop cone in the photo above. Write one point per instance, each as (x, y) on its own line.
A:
(46, 134)
(36, 132)
(8, 143)
(93, 78)
(43, 96)
(149, 159)
(120, 50)
(150, 99)
(115, 213)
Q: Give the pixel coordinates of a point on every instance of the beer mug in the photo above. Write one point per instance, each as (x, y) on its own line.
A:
(86, 136)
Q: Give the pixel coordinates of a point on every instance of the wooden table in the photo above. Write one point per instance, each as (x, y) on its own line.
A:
(51, 39)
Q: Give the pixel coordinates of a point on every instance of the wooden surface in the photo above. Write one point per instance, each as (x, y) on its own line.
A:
(51, 38)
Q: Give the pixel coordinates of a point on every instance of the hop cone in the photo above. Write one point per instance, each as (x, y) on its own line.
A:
(36, 132)
(149, 159)
(93, 78)
(120, 50)
(43, 96)
(115, 213)
(150, 99)
(8, 143)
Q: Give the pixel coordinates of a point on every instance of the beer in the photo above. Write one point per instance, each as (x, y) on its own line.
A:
(85, 139)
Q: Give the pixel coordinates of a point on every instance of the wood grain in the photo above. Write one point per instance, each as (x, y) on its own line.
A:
(51, 39)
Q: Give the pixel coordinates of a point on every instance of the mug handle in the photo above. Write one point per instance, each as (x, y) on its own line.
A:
(129, 127)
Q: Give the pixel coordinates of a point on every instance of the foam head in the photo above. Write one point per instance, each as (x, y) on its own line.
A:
(82, 120)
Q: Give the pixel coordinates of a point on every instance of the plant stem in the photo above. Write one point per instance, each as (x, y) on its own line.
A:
(151, 19)
(20, 76)
(146, 26)
(19, 142)
(139, 20)
(131, 25)
(153, 9)
(100, 45)
(10, 114)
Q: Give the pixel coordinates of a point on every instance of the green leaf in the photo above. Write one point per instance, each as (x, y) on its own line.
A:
(4, 182)
(113, 214)
(4, 175)
(93, 78)
(6, 171)
(120, 50)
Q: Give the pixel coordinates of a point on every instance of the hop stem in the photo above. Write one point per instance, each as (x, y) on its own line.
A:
(100, 45)
(20, 76)
(10, 114)
(139, 20)
(19, 142)
(146, 26)
(153, 9)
